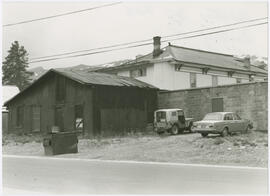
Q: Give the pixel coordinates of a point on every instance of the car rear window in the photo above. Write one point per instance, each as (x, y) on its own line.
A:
(160, 115)
(213, 116)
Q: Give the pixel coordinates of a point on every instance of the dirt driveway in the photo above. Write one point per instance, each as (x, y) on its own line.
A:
(243, 149)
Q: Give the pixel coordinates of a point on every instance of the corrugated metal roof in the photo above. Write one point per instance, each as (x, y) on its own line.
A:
(202, 57)
(91, 78)
(102, 79)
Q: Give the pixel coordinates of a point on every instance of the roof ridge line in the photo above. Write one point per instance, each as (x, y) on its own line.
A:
(202, 50)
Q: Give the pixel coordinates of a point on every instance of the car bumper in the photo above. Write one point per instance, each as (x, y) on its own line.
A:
(205, 130)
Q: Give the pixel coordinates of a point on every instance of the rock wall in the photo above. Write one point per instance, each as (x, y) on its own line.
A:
(249, 100)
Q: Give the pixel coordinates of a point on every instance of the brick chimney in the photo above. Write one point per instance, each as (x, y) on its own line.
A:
(246, 62)
(157, 51)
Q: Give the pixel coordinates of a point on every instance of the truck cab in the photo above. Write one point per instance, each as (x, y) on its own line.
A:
(172, 121)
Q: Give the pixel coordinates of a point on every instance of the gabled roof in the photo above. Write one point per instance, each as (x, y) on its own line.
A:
(91, 78)
(200, 57)
(95, 78)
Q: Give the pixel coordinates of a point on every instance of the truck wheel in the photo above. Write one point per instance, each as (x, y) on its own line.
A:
(189, 128)
(247, 129)
(204, 134)
(174, 130)
(160, 133)
(225, 132)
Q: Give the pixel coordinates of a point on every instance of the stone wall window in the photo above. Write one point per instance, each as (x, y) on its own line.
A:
(138, 72)
(214, 80)
(193, 82)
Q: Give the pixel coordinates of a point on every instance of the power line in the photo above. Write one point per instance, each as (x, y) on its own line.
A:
(140, 41)
(59, 15)
(215, 32)
(134, 46)
(86, 54)
(220, 26)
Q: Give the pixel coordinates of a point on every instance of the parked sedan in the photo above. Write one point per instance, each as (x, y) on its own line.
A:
(221, 123)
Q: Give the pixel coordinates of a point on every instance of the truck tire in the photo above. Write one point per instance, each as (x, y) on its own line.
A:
(204, 134)
(174, 130)
(189, 127)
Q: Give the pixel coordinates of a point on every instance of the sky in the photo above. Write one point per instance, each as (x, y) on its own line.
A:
(127, 22)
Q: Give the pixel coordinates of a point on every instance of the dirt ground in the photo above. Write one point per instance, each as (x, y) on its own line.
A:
(242, 149)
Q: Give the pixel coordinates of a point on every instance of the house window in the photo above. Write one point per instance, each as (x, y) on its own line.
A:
(79, 118)
(138, 72)
(193, 80)
(214, 80)
(238, 80)
(20, 116)
(60, 89)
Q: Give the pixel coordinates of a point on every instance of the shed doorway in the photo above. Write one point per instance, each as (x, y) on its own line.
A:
(59, 118)
(35, 118)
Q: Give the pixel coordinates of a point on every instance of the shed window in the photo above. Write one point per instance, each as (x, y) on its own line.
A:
(60, 89)
(138, 72)
(193, 80)
(79, 118)
(20, 116)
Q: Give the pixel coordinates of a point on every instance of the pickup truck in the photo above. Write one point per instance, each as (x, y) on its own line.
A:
(172, 121)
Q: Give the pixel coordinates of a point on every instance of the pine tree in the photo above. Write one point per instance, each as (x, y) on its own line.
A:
(14, 67)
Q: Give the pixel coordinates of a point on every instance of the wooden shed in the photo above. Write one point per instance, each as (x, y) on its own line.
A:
(87, 102)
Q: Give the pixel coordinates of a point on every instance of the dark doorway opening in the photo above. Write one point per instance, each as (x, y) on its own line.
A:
(217, 105)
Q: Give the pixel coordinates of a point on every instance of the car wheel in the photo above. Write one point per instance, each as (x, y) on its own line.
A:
(204, 134)
(225, 132)
(174, 130)
(247, 129)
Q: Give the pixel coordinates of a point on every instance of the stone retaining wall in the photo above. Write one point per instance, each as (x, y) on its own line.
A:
(249, 100)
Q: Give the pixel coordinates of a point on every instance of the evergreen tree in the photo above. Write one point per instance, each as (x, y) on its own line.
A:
(14, 67)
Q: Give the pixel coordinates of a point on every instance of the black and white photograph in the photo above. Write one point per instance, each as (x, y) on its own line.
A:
(134, 97)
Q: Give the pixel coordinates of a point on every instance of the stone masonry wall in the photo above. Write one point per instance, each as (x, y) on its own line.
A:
(249, 100)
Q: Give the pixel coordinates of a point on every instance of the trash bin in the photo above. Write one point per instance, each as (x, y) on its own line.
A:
(60, 143)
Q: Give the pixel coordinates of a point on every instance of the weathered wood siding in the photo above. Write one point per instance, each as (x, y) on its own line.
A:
(107, 110)
(43, 94)
(120, 110)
